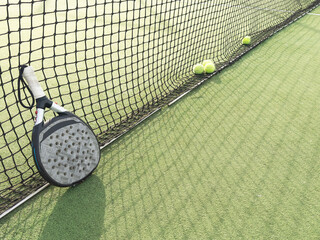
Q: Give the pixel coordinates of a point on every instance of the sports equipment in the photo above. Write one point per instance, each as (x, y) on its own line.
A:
(246, 40)
(65, 149)
(198, 69)
(114, 63)
(205, 62)
(209, 68)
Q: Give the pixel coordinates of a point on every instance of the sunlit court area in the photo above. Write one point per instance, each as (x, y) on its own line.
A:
(193, 119)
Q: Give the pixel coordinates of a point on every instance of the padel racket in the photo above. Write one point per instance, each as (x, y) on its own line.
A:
(64, 148)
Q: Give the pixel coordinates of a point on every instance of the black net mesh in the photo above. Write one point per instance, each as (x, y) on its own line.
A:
(112, 63)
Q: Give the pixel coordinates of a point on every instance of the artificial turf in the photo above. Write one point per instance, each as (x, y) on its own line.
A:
(237, 158)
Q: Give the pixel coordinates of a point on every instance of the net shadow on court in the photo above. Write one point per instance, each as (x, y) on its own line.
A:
(236, 157)
(112, 63)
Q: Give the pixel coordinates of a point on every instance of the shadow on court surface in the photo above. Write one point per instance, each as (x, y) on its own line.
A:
(78, 213)
(235, 160)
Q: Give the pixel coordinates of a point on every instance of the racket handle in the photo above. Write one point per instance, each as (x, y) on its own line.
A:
(30, 77)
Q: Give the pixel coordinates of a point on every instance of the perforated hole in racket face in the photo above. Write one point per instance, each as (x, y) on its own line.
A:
(68, 150)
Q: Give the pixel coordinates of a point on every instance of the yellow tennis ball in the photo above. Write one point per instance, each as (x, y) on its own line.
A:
(198, 69)
(205, 62)
(209, 68)
(246, 40)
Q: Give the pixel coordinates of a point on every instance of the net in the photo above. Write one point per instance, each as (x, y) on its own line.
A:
(113, 63)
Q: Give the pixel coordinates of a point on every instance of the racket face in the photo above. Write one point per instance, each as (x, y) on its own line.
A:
(65, 149)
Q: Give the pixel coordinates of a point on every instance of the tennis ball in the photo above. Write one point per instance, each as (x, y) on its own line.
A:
(209, 68)
(246, 40)
(205, 62)
(198, 69)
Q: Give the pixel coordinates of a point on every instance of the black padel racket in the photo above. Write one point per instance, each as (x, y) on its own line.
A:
(65, 148)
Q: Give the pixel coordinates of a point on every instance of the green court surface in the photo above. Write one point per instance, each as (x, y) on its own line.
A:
(237, 158)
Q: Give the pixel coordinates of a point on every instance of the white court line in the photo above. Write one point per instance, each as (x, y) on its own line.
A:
(46, 185)
(24, 200)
